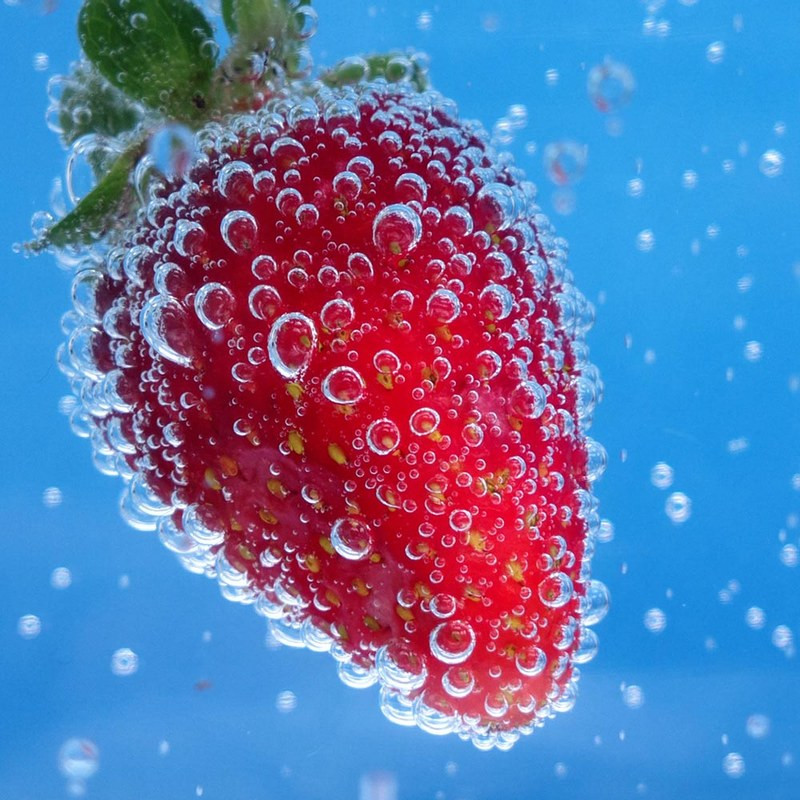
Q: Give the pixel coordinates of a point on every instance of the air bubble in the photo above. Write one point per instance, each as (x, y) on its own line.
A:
(343, 386)
(496, 302)
(235, 180)
(336, 315)
(383, 436)
(347, 184)
(424, 421)
(662, 475)
(458, 681)
(397, 229)
(189, 238)
(497, 205)
(214, 305)
(528, 400)
(488, 364)
(165, 326)
(386, 362)
(452, 642)
(400, 666)
(443, 605)
(78, 759)
(203, 523)
(556, 590)
(678, 507)
(610, 85)
(531, 660)
(460, 520)
(443, 306)
(655, 620)
(565, 162)
(264, 302)
(771, 163)
(124, 662)
(239, 230)
(291, 344)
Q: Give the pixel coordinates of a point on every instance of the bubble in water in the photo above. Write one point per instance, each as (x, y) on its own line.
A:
(343, 386)
(235, 180)
(610, 85)
(214, 305)
(496, 301)
(595, 603)
(757, 726)
(528, 400)
(383, 436)
(782, 637)
(352, 538)
(678, 507)
(286, 701)
(460, 520)
(662, 475)
(645, 240)
(443, 605)
(291, 344)
(78, 758)
(452, 642)
(239, 230)
(733, 765)
(264, 301)
(633, 696)
(531, 660)
(496, 204)
(172, 149)
(789, 555)
(556, 590)
(41, 61)
(52, 497)
(689, 179)
(60, 578)
(337, 315)
(655, 620)
(753, 351)
(424, 421)
(443, 306)
(165, 326)
(400, 666)
(489, 364)
(635, 187)
(565, 161)
(771, 163)
(124, 662)
(29, 626)
(715, 52)
(397, 229)
(755, 618)
(347, 184)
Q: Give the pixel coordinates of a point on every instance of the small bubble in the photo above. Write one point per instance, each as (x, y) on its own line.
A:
(753, 351)
(655, 620)
(443, 306)
(551, 76)
(662, 475)
(633, 696)
(52, 497)
(60, 578)
(397, 229)
(678, 507)
(782, 637)
(286, 702)
(757, 726)
(424, 20)
(78, 758)
(733, 765)
(124, 662)
(755, 618)
(689, 179)
(771, 163)
(452, 642)
(383, 436)
(29, 626)
(291, 344)
(715, 52)
(635, 187)
(565, 161)
(610, 85)
(352, 538)
(41, 61)
(343, 386)
(556, 590)
(214, 305)
(645, 240)
(789, 555)
(239, 231)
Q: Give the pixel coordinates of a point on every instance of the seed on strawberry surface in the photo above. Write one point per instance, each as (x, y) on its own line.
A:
(343, 370)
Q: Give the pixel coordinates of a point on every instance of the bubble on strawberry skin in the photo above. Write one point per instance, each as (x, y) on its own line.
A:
(291, 343)
(383, 436)
(343, 385)
(397, 230)
(351, 538)
(452, 642)
(215, 305)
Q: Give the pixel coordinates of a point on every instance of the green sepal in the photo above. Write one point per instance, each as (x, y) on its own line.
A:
(90, 104)
(159, 52)
(104, 206)
(394, 67)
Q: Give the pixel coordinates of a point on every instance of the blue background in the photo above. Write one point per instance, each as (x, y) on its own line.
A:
(701, 677)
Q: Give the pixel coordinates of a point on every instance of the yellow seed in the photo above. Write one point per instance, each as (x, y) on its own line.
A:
(305, 341)
(312, 562)
(514, 624)
(385, 380)
(372, 623)
(341, 631)
(444, 332)
(235, 526)
(543, 471)
(332, 597)
(296, 443)
(515, 423)
(360, 587)
(375, 558)
(276, 488)
(337, 454)
(295, 390)
(514, 569)
(404, 613)
(473, 593)
(325, 544)
(395, 248)
(246, 553)
(267, 516)
(477, 541)
(211, 480)
(436, 436)
(422, 591)
(230, 469)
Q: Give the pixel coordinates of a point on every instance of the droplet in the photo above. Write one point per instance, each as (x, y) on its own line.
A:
(556, 590)
(443, 605)
(343, 386)
(264, 301)
(400, 666)
(410, 186)
(472, 434)
(443, 306)
(203, 523)
(460, 520)
(496, 302)
(189, 237)
(214, 305)
(662, 475)
(360, 266)
(528, 400)
(531, 660)
(235, 180)
(402, 301)
(397, 229)
(383, 436)
(655, 620)
(424, 421)
(733, 765)
(29, 626)
(386, 362)
(488, 364)
(165, 326)
(452, 642)
(347, 184)
(351, 538)
(595, 603)
(497, 206)
(458, 681)
(336, 315)
(291, 343)
(239, 230)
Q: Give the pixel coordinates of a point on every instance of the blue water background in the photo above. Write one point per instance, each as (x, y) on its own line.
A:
(679, 389)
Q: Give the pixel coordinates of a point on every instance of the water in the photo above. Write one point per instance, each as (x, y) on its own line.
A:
(677, 194)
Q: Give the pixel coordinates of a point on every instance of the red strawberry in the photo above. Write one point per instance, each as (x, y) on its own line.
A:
(342, 365)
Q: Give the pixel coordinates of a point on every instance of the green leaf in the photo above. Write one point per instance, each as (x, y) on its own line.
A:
(90, 104)
(229, 16)
(98, 211)
(257, 25)
(159, 52)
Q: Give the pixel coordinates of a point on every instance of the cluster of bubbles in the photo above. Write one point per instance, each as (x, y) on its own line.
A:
(290, 344)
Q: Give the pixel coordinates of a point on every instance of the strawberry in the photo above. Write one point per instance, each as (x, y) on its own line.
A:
(341, 365)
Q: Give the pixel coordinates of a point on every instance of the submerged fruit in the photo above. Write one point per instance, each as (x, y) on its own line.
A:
(341, 367)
